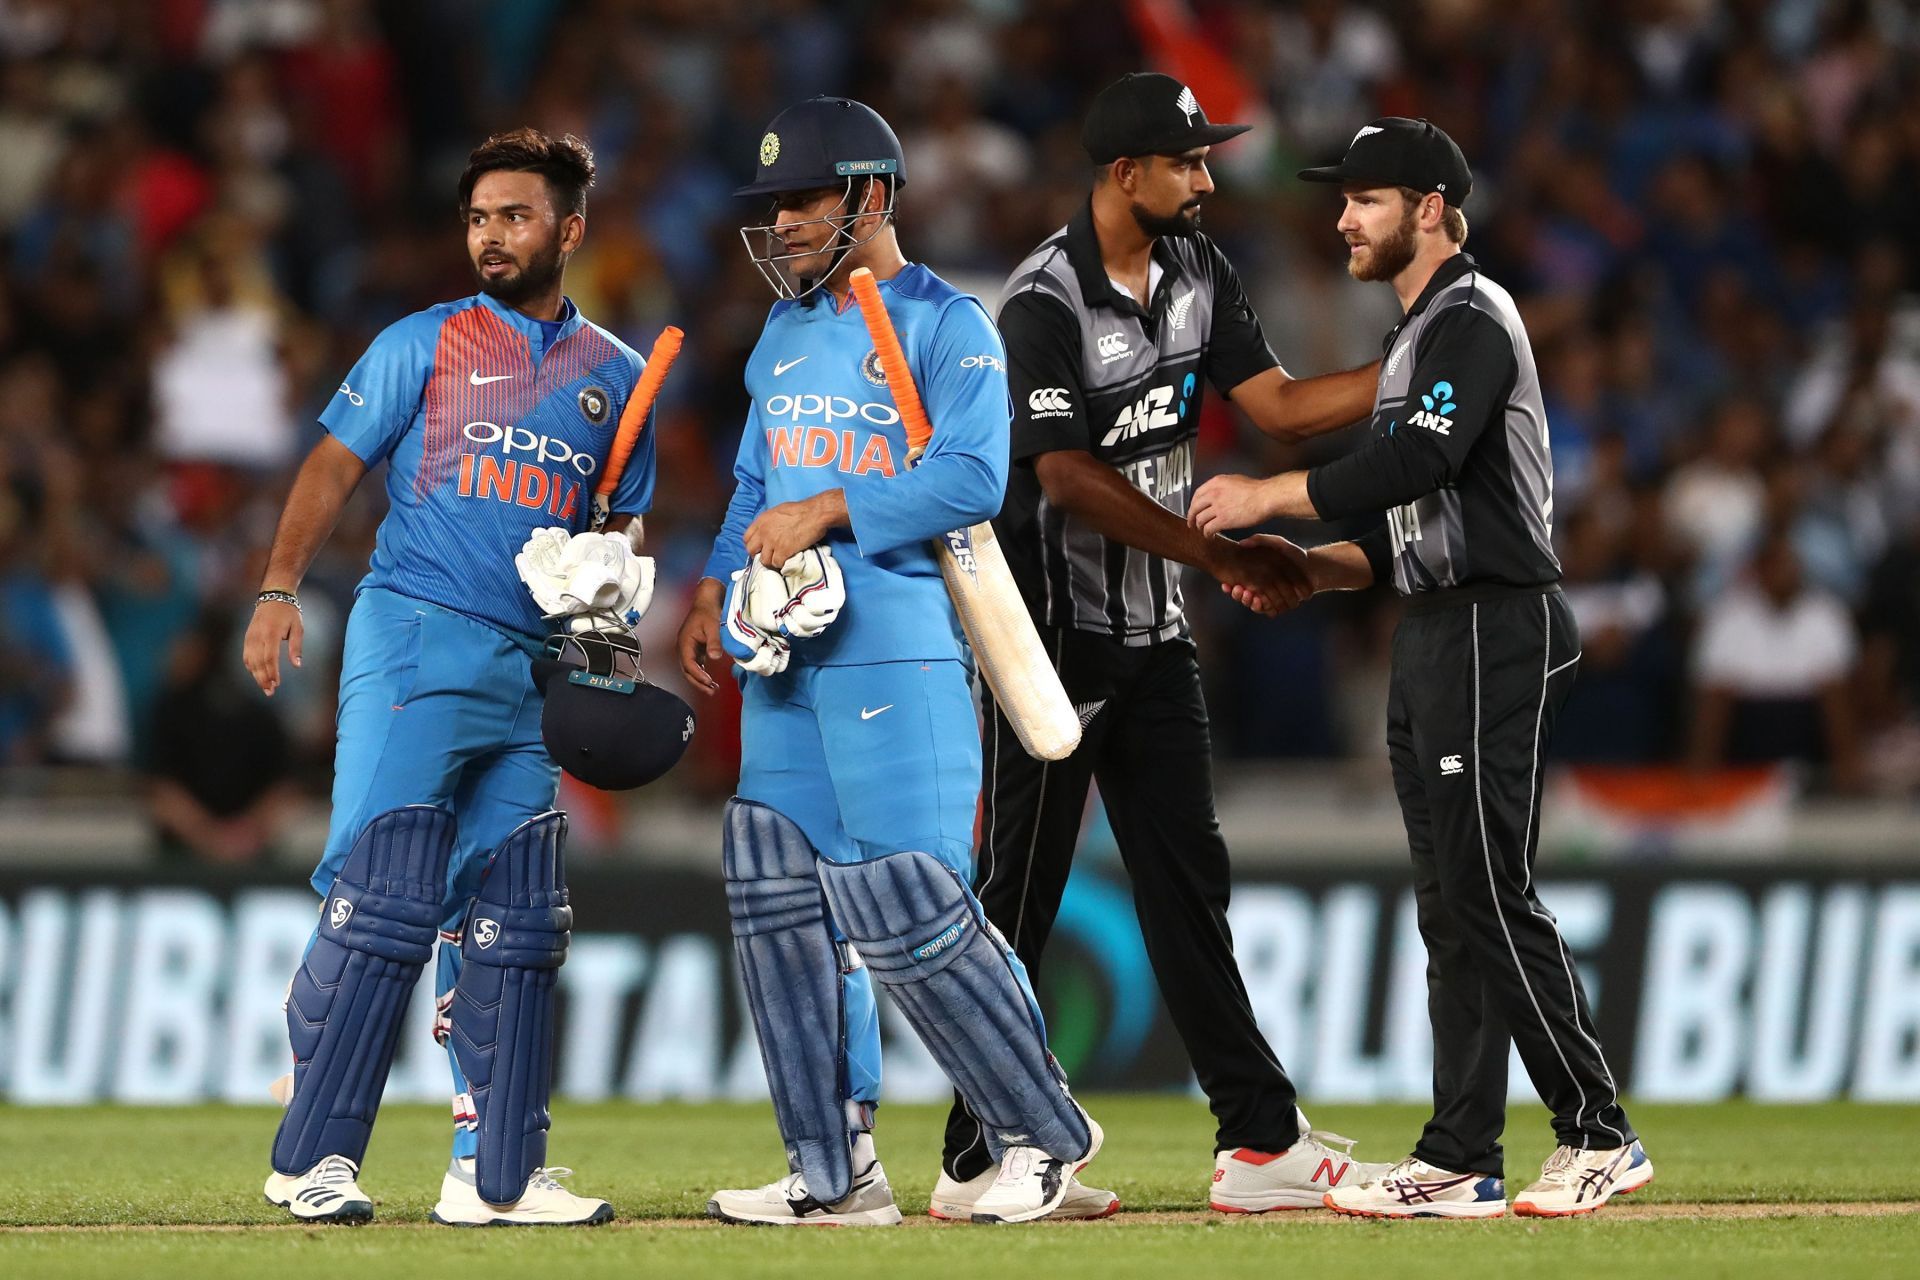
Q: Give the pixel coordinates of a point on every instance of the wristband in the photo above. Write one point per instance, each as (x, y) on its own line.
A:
(279, 597)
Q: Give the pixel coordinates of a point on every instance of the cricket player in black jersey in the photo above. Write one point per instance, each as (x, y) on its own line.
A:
(1113, 326)
(1483, 659)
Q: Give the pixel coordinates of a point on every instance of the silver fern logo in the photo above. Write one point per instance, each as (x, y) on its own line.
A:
(1087, 711)
(1178, 308)
(1188, 104)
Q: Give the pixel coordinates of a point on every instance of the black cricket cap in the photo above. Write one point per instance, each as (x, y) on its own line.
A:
(1394, 151)
(1144, 113)
(603, 722)
(821, 143)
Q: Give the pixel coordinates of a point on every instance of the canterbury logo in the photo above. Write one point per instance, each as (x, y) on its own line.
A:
(1178, 308)
(341, 913)
(486, 932)
(1049, 402)
(1450, 765)
(1111, 346)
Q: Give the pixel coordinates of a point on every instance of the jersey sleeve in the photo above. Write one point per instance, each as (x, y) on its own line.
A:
(749, 498)
(1463, 372)
(633, 493)
(381, 394)
(1043, 376)
(962, 478)
(1237, 347)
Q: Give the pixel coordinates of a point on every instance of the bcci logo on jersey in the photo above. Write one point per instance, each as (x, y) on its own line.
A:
(870, 369)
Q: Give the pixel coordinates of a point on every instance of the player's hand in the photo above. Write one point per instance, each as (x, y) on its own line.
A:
(1225, 503)
(699, 641)
(780, 533)
(1265, 573)
(275, 623)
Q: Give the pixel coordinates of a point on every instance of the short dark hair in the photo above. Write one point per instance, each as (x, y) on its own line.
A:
(1453, 222)
(565, 162)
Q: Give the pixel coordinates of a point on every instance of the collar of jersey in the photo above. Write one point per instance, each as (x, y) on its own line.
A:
(1443, 275)
(1083, 251)
(529, 328)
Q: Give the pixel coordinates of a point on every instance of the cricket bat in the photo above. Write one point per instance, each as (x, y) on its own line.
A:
(1015, 667)
(633, 420)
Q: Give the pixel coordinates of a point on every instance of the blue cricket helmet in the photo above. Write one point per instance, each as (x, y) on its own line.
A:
(823, 142)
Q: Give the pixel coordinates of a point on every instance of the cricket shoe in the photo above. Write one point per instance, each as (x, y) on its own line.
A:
(953, 1200)
(788, 1203)
(1250, 1181)
(1032, 1184)
(1415, 1189)
(543, 1202)
(327, 1192)
(1574, 1182)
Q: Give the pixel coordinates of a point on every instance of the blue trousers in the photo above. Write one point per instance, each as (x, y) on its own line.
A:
(436, 708)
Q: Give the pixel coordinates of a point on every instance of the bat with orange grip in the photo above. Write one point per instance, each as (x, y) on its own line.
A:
(1012, 662)
(633, 420)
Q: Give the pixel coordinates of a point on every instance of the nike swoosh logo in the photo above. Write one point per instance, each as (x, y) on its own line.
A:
(781, 366)
(479, 381)
(864, 713)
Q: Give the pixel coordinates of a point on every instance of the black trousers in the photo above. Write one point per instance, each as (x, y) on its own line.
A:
(1475, 688)
(1146, 741)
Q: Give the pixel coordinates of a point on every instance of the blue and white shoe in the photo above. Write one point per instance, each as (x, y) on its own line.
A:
(1415, 1189)
(1575, 1182)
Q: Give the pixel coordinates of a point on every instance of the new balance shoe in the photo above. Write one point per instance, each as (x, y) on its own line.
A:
(328, 1192)
(1574, 1182)
(1415, 1189)
(788, 1203)
(1032, 1184)
(1250, 1181)
(543, 1203)
(954, 1201)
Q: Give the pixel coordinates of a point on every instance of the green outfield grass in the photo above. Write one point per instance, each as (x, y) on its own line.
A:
(176, 1192)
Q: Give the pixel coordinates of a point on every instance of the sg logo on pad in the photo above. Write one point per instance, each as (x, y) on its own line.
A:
(341, 912)
(486, 932)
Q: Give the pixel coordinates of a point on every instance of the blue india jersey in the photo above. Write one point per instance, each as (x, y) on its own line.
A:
(823, 418)
(492, 425)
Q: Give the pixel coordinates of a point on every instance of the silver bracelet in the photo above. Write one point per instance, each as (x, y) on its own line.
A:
(279, 597)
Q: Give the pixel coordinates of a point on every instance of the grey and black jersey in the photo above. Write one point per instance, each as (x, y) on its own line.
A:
(1089, 368)
(1458, 455)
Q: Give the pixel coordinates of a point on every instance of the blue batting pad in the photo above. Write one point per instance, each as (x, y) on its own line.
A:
(511, 949)
(812, 1008)
(925, 941)
(349, 998)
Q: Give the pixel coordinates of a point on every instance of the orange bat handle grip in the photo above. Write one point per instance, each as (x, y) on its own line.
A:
(633, 419)
(893, 360)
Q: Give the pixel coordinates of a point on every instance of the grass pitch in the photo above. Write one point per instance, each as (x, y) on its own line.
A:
(1743, 1191)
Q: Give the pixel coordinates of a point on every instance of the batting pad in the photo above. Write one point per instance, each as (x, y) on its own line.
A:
(792, 971)
(349, 997)
(924, 939)
(511, 948)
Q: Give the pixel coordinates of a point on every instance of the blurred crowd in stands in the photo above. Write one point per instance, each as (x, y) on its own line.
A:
(1710, 213)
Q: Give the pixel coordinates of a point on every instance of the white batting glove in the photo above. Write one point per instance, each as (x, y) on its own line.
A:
(543, 566)
(763, 653)
(801, 600)
(608, 587)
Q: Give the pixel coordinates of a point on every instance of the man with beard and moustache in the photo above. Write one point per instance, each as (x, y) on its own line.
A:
(1483, 659)
(1111, 326)
(493, 414)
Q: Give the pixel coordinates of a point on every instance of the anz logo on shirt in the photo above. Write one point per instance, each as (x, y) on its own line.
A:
(1151, 412)
(1435, 407)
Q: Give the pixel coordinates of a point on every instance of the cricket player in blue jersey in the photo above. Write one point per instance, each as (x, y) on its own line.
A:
(847, 848)
(493, 415)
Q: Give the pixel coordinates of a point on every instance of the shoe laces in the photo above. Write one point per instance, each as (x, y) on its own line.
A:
(1016, 1165)
(1326, 1139)
(1562, 1166)
(335, 1171)
(1402, 1170)
(545, 1179)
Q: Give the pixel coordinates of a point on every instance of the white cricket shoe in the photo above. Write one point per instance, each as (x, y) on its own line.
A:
(1250, 1181)
(543, 1203)
(1574, 1182)
(327, 1192)
(788, 1203)
(1032, 1184)
(1415, 1189)
(953, 1200)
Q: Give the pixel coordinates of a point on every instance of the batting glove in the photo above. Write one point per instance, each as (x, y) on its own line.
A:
(763, 653)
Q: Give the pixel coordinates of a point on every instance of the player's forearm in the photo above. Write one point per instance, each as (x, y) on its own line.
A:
(1339, 566)
(1100, 496)
(946, 491)
(631, 525)
(1295, 409)
(320, 492)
